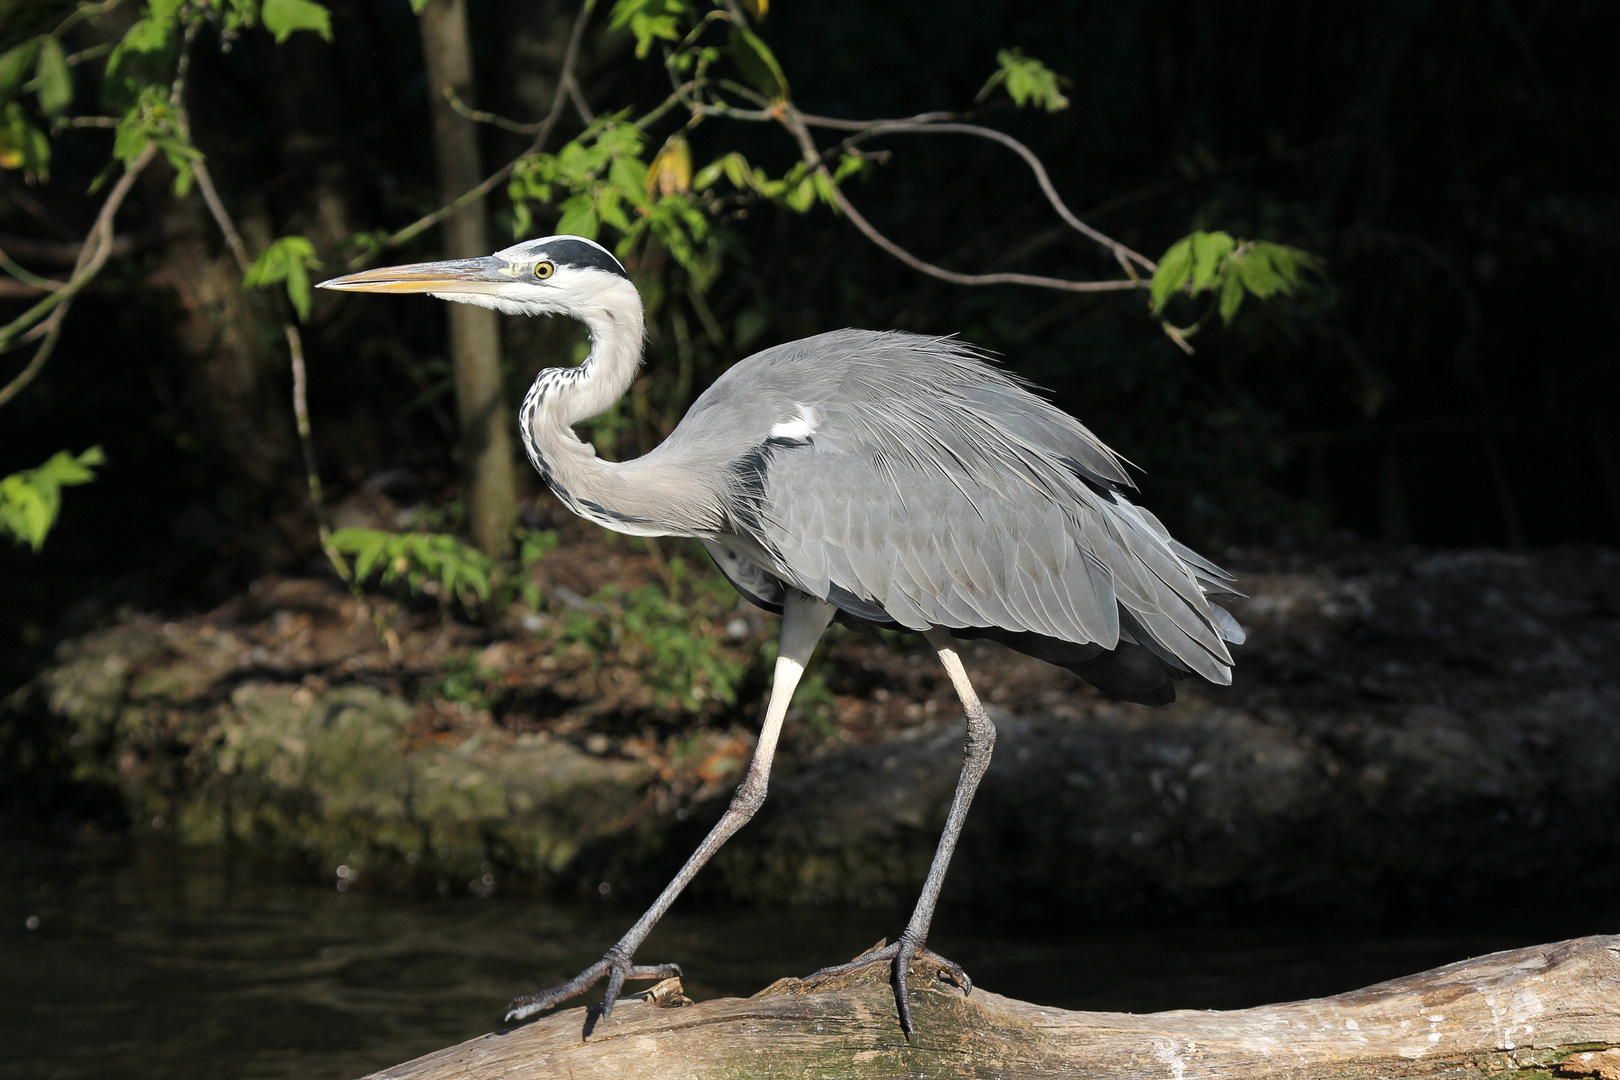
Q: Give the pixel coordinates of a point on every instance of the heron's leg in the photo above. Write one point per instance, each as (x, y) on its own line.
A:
(803, 621)
(981, 740)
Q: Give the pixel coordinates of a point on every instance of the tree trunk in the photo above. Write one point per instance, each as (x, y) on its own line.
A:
(232, 395)
(475, 342)
(1548, 1010)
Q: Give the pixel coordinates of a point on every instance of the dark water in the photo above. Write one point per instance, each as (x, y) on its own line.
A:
(154, 963)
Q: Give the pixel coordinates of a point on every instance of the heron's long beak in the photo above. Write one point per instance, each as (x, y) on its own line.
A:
(483, 275)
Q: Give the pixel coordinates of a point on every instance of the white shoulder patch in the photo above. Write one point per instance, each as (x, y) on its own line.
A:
(800, 427)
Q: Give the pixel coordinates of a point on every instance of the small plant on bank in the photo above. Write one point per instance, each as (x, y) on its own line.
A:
(669, 633)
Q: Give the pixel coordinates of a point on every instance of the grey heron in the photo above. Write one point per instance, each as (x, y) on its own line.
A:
(880, 479)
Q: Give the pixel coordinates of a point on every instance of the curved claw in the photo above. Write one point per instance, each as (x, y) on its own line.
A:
(616, 968)
(900, 954)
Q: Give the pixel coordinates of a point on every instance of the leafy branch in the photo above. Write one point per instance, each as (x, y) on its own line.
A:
(1228, 270)
(30, 500)
(601, 178)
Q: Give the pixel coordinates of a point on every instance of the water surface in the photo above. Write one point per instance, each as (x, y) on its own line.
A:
(153, 963)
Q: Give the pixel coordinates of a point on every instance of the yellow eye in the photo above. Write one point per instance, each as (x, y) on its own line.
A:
(544, 270)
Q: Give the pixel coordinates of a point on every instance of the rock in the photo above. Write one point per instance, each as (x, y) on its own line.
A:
(1406, 729)
(334, 773)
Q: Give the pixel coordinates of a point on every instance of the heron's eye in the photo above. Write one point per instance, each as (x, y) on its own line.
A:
(544, 270)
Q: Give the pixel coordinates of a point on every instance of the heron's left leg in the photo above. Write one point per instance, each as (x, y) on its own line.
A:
(803, 621)
(981, 740)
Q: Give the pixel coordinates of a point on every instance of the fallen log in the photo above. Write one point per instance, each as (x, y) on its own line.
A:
(1550, 1010)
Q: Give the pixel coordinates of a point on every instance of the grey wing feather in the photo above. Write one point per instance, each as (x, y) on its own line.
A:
(907, 481)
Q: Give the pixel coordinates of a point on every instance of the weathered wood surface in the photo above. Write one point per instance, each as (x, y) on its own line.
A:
(1548, 1010)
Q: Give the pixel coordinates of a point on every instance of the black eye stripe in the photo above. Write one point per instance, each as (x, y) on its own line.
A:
(579, 254)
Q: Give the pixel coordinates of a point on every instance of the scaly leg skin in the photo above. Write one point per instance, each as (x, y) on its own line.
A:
(803, 620)
(981, 740)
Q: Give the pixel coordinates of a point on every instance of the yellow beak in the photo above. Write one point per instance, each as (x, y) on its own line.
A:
(450, 276)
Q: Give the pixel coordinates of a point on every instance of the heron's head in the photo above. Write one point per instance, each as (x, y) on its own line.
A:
(556, 275)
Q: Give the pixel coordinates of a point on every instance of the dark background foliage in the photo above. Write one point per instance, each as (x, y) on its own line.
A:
(1452, 383)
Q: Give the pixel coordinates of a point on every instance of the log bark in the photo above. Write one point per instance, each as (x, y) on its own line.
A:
(1550, 1010)
(475, 338)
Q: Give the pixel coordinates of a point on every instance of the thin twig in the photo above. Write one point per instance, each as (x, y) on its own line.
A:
(22, 274)
(312, 472)
(233, 239)
(317, 496)
(792, 120)
(306, 441)
(92, 257)
(480, 116)
(928, 126)
(489, 183)
(577, 96)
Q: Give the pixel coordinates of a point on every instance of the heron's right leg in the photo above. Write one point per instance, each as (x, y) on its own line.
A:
(981, 740)
(803, 621)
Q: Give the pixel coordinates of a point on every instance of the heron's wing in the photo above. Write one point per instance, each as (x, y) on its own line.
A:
(906, 480)
(947, 538)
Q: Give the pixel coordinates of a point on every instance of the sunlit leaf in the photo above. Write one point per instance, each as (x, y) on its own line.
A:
(1028, 82)
(629, 175)
(802, 195)
(285, 17)
(52, 80)
(578, 219)
(1209, 251)
(287, 260)
(671, 170)
(1174, 267)
(650, 20)
(31, 500)
(1231, 297)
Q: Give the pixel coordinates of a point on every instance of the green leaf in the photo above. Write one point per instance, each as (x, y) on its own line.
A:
(578, 218)
(802, 196)
(22, 145)
(629, 175)
(286, 260)
(1209, 253)
(15, 63)
(417, 6)
(52, 80)
(30, 500)
(164, 10)
(1174, 267)
(1231, 297)
(1028, 82)
(285, 17)
(144, 38)
(416, 558)
(651, 20)
(298, 290)
(758, 64)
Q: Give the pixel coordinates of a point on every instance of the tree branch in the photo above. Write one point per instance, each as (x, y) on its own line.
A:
(937, 122)
(92, 257)
(795, 122)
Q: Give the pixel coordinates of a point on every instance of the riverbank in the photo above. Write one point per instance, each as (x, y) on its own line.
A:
(1407, 728)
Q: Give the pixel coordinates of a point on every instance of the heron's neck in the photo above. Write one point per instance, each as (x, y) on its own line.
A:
(617, 328)
(563, 397)
(641, 497)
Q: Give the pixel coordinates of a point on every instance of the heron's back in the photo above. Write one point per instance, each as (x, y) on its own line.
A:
(910, 483)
